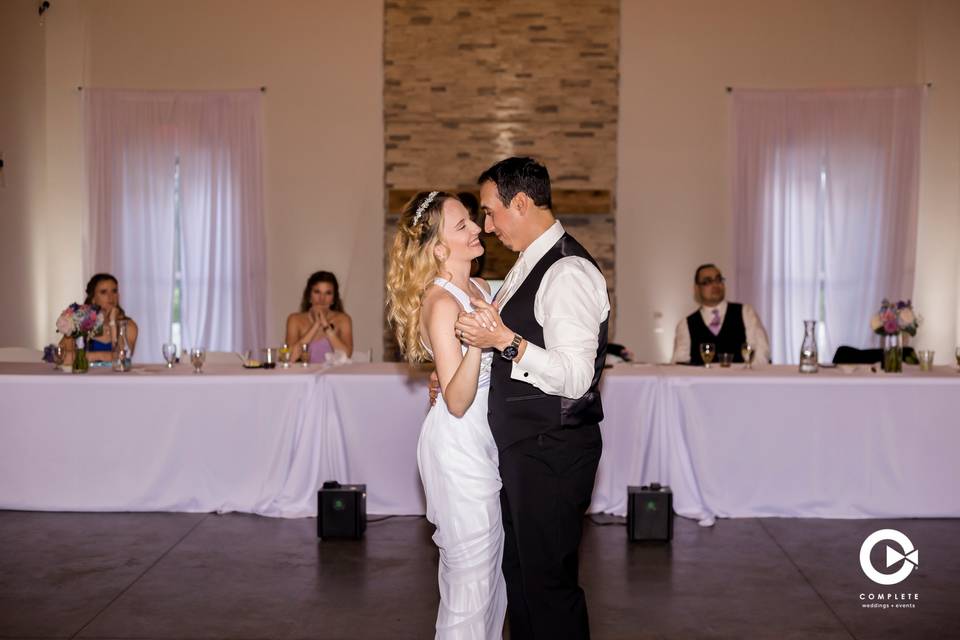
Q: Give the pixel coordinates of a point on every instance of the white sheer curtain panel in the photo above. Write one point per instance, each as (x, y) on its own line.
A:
(872, 194)
(130, 156)
(825, 187)
(133, 142)
(221, 186)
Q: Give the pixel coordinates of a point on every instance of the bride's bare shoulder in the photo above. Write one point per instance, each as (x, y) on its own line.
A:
(436, 299)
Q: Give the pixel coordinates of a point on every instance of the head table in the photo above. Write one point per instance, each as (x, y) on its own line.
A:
(729, 442)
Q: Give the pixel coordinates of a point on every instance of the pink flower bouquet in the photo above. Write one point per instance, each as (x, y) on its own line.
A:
(894, 318)
(80, 320)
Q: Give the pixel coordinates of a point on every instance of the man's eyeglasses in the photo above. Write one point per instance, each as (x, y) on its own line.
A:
(706, 282)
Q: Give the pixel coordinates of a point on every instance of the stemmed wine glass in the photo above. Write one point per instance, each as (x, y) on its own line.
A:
(169, 350)
(747, 351)
(305, 354)
(707, 351)
(197, 357)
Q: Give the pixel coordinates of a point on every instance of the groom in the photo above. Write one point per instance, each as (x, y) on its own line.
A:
(548, 325)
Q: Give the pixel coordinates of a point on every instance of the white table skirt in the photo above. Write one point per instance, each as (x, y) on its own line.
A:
(629, 396)
(225, 440)
(730, 443)
(776, 443)
(376, 410)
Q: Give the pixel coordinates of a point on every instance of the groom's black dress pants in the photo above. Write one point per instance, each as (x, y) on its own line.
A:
(547, 484)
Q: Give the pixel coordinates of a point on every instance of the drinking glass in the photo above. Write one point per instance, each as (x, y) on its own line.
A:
(747, 351)
(925, 356)
(169, 350)
(725, 360)
(707, 351)
(285, 356)
(305, 354)
(59, 355)
(270, 358)
(197, 356)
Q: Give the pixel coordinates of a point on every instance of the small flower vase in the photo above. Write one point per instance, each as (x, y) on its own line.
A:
(892, 353)
(80, 362)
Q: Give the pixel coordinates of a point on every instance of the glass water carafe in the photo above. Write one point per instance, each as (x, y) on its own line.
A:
(808, 350)
(121, 348)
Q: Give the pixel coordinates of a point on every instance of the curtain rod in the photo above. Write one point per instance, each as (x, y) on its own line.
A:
(263, 89)
(928, 85)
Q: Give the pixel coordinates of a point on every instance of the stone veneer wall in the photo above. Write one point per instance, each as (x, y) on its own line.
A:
(470, 82)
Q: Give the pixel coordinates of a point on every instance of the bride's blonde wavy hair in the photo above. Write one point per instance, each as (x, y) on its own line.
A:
(413, 266)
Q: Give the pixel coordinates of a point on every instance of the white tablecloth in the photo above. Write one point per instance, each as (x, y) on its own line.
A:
(379, 408)
(375, 410)
(157, 440)
(629, 396)
(738, 443)
(729, 442)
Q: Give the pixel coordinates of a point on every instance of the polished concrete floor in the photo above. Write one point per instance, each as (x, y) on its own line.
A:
(237, 576)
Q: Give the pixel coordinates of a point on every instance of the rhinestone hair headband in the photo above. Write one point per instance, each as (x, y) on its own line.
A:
(423, 206)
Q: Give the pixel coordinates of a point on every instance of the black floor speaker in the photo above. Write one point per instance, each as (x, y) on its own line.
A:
(650, 513)
(341, 510)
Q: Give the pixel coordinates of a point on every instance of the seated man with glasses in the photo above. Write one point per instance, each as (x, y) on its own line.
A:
(728, 325)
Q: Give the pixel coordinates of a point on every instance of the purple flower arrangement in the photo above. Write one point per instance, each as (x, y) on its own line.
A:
(894, 318)
(80, 320)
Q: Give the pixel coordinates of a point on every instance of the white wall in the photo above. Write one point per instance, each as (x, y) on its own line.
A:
(22, 180)
(62, 218)
(937, 289)
(321, 62)
(673, 197)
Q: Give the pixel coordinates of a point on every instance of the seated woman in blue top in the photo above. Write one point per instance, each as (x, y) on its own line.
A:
(321, 322)
(103, 291)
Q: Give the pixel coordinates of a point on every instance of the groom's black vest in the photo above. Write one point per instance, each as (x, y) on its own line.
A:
(518, 410)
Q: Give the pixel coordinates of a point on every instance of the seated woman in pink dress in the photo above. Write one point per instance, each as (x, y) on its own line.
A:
(321, 322)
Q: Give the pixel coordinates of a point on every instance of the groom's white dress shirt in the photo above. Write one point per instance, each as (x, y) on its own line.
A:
(570, 305)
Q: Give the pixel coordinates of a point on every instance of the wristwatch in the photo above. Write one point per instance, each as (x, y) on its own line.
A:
(511, 350)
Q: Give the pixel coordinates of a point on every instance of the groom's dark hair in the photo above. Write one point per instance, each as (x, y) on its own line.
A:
(514, 175)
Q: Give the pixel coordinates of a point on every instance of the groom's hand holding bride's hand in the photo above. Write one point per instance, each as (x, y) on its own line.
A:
(483, 327)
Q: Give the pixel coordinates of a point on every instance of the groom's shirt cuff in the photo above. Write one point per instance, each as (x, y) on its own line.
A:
(570, 305)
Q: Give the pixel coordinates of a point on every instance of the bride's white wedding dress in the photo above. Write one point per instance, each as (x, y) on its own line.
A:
(459, 467)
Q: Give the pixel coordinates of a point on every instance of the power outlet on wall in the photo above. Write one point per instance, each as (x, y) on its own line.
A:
(658, 321)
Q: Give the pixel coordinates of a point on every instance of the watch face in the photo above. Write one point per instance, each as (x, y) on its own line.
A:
(510, 352)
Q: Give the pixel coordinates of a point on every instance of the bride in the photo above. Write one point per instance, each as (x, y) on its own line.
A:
(428, 284)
